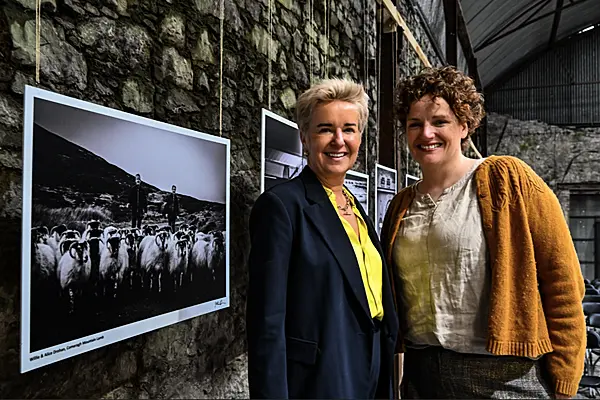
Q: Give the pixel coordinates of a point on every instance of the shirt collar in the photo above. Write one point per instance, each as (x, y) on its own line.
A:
(331, 195)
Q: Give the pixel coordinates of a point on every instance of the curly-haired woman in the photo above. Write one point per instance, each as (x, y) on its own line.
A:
(486, 277)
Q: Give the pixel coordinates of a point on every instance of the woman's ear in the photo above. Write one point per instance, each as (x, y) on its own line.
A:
(464, 130)
(304, 139)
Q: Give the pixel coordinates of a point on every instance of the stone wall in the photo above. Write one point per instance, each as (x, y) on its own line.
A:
(161, 60)
(562, 156)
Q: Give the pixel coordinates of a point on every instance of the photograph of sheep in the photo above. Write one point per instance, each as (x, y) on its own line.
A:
(125, 223)
(358, 184)
(385, 190)
(281, 149)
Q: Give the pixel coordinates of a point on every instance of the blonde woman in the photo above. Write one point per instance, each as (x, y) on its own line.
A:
(320, 317)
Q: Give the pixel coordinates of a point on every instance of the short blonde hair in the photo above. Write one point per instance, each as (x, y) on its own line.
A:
(329, 90)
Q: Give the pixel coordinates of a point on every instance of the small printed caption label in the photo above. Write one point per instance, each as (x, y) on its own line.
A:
(61, 349)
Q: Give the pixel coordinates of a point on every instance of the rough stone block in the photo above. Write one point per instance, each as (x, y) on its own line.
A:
(176, 69)
(173, 30)
(125, 44)
(203, 52)
(138, 96)
(179, 101)
(286, 3)
(288, 98)
(47, 5)
(260, 38)
(289, 19)
(202, 82)
(19, 82)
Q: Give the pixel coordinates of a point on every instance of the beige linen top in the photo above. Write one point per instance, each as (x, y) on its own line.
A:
(441, 258)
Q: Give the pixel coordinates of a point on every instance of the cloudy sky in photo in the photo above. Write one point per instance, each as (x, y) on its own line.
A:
(163, 158)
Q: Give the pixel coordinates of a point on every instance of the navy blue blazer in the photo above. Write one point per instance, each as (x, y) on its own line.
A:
(309, 328)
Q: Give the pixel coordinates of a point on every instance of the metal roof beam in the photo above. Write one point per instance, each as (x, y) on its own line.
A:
(494, 40)
(450, 7)
(466, 44)
(559, 6)
(497, 32)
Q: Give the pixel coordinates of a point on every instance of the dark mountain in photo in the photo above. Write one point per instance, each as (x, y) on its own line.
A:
(66, 175)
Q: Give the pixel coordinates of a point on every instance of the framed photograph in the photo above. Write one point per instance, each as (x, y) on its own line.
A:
(125, 223)
(358, 184)
(410, 179)
(386, 187)
(281, 150)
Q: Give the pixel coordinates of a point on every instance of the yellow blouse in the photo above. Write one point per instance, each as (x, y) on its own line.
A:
(369, 260)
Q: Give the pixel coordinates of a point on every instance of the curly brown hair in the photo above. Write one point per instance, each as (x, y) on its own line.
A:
(448, 83)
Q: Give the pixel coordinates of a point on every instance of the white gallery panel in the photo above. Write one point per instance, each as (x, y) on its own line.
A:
(281, 150)
(125, 222)
(410, 180)
(386, 187)
(358, 184)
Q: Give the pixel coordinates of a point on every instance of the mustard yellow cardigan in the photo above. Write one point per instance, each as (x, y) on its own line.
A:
(537, 285)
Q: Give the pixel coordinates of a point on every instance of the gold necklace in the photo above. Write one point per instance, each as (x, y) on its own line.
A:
(344, 209)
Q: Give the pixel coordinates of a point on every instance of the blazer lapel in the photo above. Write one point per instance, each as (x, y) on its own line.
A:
(327, 222)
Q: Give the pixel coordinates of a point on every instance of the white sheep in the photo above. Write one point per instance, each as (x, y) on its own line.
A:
(67, 238)
(204, 255)
(74, 269)
(131, 245)
(216, 255)
(55, 233)
(153, 258)
(114, 262)
(42, 234)
(178, 261)
(93, 230)
(43, 260)
(110, 231)
(96, 246)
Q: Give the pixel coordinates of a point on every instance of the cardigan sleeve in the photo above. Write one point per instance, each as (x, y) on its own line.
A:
(561, 284)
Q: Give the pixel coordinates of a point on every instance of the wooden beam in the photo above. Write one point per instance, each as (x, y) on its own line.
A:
(391, 8)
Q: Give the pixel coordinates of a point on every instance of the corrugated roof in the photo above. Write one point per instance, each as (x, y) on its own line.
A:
(507, 32)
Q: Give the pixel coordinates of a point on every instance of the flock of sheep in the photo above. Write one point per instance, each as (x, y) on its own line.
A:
(107, 262)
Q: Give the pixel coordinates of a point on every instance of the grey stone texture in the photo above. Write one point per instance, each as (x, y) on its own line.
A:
(560, 155)
(161, 60)
(563, 156)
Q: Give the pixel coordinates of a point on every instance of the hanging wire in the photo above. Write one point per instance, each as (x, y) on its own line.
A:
(269, 52)
(395, 79)
(38, 29)
(366, 81)
(221, 18)
(310, 24)
(379, 35)
(326, 63)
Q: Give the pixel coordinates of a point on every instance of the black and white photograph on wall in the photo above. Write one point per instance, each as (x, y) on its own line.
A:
(410, 179)
(126, 224)
(281, 149)
(385, 190)
(358, 184)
